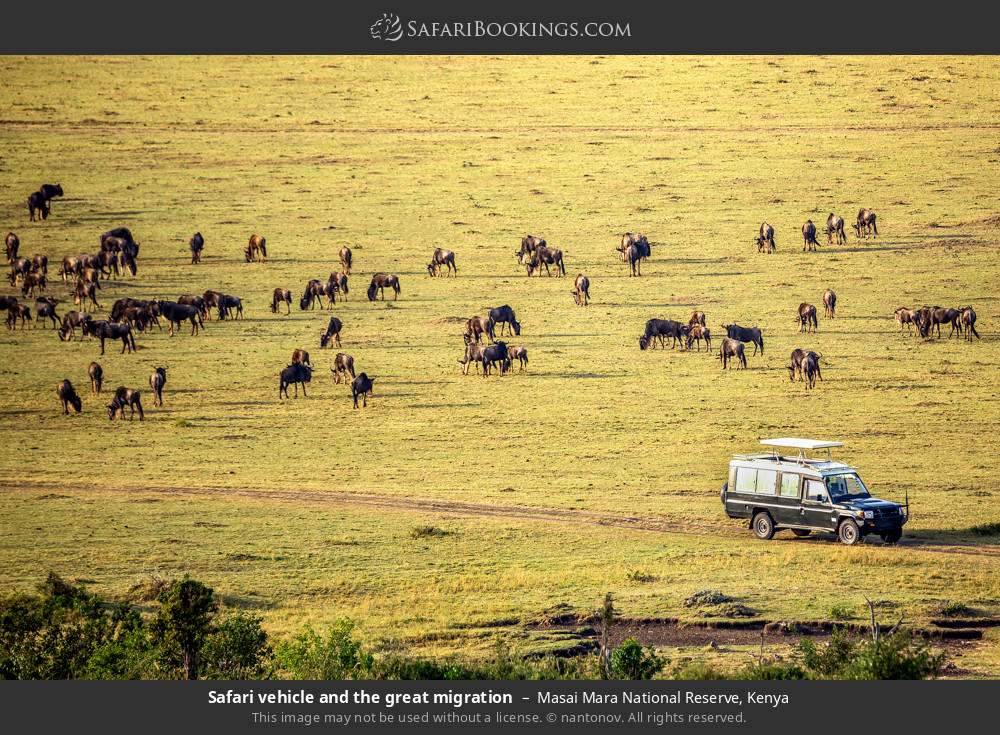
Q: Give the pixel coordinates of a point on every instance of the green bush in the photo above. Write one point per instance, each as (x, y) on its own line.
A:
(632, 662)
(310, 656)
(237, 649)
(898, 656)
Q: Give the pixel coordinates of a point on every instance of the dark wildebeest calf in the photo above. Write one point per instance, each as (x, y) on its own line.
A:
(442, 258)
(746, 334)
(362, 386)
(342, 365)
(865, 226)
(295, 374)
(545, 256)
(519, 353)
(70, 321)
(96, 373)
(765, 240)
(835, 226)
(495, 355)
(810, 367)
(67, 394)
(807, 318)
(830, 303)
(795, 366)
(660, 329)
(699, 332)
(581, 290)
(504, 316)
(332, 332)
(156, 382)
(125, 397)
(197, 244)
(379, 283)
(732, 348)
(11, 244)
(809, 236)
(256, 249)
(45, 308)
(281, 295)
(228, 305)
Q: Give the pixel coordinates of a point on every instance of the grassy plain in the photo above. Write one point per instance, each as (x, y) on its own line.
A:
(602, 460)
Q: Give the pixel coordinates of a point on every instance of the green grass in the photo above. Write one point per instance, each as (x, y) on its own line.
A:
(395, 156)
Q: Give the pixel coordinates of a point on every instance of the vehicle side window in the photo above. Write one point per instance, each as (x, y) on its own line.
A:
(746, 480)
(816, 490)
(767, 481)
(789, 485)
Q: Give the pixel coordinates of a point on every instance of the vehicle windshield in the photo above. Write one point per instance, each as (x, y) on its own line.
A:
(846, 487)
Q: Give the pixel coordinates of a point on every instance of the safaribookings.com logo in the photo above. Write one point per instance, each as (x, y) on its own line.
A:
(390, 28)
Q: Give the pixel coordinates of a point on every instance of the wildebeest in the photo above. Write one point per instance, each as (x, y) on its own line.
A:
(70, 321)
(905, 316)
(45, 308)
(633, 257)
(108, 263)
(581, 290)
(96, 373)
(228, 305)
(84, 292)
(157, 380)
(7, 301)
(300, 355)
(699, 332)
(504, 316)
(18, 311)
(125, 397)
(495, 355)
(660, 329)
(40, 264)
(19, 268)
(176, 313)
(529, 244)
(643, 249)
(732, 348)
(128, 263)
(765, 239)
(120, 239)
(33, 282)
(519, 353)
(806, 318)
(830, 303)
(476, 326)
(746, 334)
(795, 366)
(342, 365)
(197, 302)
(835, 226)
(51, 191)
(939, 316)
(545, 256)
(473, 355)
(197, 244)
(810, 367)
(11, 244)
(256, 249)
(332, 331)
(345, 260)
(38, 203)
(295, 374)
(313, 292)
(105, 330)
(72, 265)
(67, 395)
(379, 283)
(362, 386)
(213, 299)
(968, 322)
(281, 295)
(809, 236)
(442, 258)
(697, 317)
(336, 283)
(865, 225)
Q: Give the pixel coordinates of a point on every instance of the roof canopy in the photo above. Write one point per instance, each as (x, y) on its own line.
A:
(801, 444)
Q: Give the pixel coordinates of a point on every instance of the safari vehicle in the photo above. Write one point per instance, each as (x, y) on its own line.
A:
(787, 489)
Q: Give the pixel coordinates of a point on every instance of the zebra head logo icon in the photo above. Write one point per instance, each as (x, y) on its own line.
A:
(387, 28)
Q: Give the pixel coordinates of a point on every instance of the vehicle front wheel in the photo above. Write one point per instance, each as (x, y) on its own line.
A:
(893, 536)
(849, 533)
(763, 526)
(801, 532)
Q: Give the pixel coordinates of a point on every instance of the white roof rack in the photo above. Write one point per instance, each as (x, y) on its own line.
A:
(801, 444)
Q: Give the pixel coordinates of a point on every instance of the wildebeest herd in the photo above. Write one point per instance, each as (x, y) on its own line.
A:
(118, 255)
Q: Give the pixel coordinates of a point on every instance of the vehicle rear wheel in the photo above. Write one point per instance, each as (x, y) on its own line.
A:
(893, 536)
(763, 526)
(849, 533)
(801, 532)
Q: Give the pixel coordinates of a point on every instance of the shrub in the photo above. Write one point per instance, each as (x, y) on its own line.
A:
(986, 529)
(642, 577)
(238, 649)
(428, 532)
(310, 656)
(184, 621)
(956, 610)
(841, 612)
(703, 598)
(897, 656)
(633, 662)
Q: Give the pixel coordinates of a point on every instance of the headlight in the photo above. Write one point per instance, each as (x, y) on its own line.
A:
(869, 514)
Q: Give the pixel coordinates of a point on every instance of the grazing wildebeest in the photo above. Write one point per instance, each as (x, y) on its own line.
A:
(228, 304)
(40, 264)
(699, 332)
(112, 244)
(581, 290)
(697, 317)
(281, 295)
(213, 299)
(157, 380)
(295, 374)
(197, 302)
(633, 257)
(332, 331)
(765, 240)
(835, 226)
(128, 263)
(84, 291)
(545, 256)
(37, 202)
(732, 348)
(495, 355)
(313, 292)
(660, 329)
(299, 355)
(798, 355)
(379, 283)
(746, 334)
(90, 275)
(905, 316)
(529, 244)
(19, 268)
(108, 263)
(476, 326)
(968, 322)
(18, 311)
(11, 244)
(96, 373)
(256, 249)
(197, 244)
(33, 282)
(176, 313)
(105, 330)
(809, 236)
(120, 239)
(345, 260)
(830, 303)
(336, 283)
(810, 366)
(362, 386)
(51, 191)
(865, 225)
(642, 246)
(519, 353)
(922, 320)
(806, 318)
(67, 394)
(445, 258)
(939, 316)
(7, 301)
(342, 365)
(72, 265)
(504, 316)
(45, 308)
(70, 321)
(125, 397)
(139, 317)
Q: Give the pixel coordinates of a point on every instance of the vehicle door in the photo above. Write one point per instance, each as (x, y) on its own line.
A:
(816, 507)
(789, 510)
